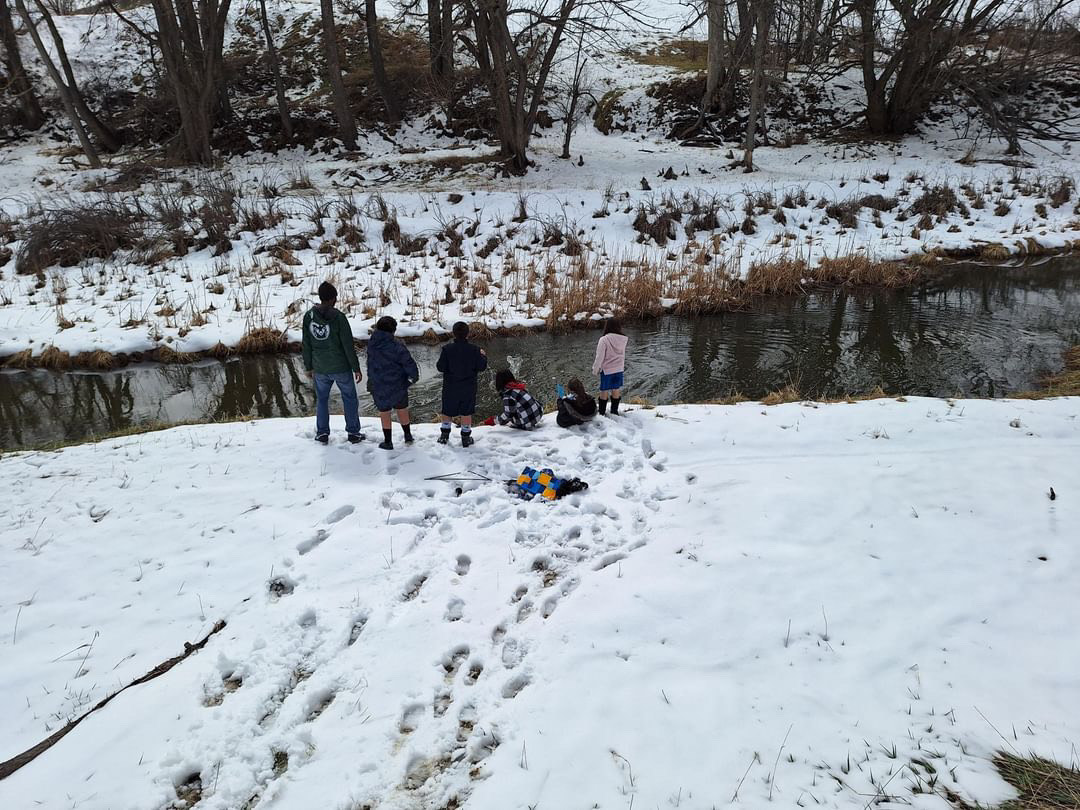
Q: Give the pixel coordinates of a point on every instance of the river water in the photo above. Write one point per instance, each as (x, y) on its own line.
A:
(971, 331)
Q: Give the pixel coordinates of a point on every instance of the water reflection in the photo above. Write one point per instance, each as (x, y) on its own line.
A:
(971, 331)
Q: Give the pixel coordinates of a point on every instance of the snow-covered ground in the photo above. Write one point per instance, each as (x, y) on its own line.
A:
(501, 251)
(791, 606)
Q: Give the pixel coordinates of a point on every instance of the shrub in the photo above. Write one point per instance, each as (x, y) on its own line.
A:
(68, 235)
(939, 201)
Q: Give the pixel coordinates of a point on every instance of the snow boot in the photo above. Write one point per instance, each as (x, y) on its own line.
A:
(356, 438)
(444, 436)
(615, 406)
(323, 438)
(387, 443)
(466, 438)
(602, 407)
(407, 430)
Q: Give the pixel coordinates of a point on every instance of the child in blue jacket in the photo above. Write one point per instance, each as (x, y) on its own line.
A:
(391, 370)
(459, 363)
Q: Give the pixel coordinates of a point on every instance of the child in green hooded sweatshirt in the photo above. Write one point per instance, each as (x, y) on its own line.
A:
(330, 358)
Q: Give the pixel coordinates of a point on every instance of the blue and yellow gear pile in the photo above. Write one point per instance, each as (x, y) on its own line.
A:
(543, 483)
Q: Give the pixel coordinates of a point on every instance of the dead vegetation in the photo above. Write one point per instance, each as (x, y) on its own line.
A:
(1066, 383)
(67, 234)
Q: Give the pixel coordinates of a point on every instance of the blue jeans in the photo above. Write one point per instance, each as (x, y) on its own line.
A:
(345, 384)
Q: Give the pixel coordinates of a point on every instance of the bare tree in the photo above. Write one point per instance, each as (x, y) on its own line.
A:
(378, 64)
(21, 88)
(763, 17)
(574, 90)
(440, 25)
(921, 42)
(62, 89)
(275, 67)
(191, 41)
(516, 62)
(342, 110)
(106, 136)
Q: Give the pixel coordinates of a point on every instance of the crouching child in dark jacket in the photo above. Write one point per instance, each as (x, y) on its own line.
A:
(577, 407)
(459, 363)
(330, 359)
(520, 410)
(391, 370)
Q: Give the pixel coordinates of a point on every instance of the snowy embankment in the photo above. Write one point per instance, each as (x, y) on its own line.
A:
(813, 605)
(420, 225)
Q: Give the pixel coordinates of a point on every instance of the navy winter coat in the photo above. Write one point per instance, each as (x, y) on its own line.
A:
(390, 370)
(459, 363)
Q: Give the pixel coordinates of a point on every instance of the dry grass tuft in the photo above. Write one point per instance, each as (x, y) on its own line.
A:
(688, 55)
(23, 359)
(219, 351)
(1065, 384)
(994, 253)
(859, 270)
(789, 393)
(99, 360)
(1041, 784)
(778, 277)
(170, 356)
(54, 359)
(263, 340)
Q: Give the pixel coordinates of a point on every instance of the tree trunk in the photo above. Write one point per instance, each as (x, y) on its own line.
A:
(346, 122)
(275, 67)
(717, 56)
(61, 88)
(192, 45)
(108, 138)
(757, 82)
(30, 109)
(378, 66)
(440, 22)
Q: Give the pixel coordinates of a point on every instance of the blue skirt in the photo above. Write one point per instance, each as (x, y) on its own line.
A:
(611, 382)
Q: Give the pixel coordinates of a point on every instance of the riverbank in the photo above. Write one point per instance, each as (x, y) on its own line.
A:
(477, 651)
(640, 293)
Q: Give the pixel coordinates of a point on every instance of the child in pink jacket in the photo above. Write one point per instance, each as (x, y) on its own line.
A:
(610, 363)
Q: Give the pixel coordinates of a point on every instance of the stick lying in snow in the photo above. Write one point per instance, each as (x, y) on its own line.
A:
(26, 757)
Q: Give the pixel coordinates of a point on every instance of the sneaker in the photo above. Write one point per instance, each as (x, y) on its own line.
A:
(356, 438)
(323, 438)
(466, 440)
(386, 445)
(444, 437)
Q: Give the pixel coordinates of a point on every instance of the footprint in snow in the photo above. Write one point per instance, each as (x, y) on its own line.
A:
(410, 718)
(513, 652)
(313, 542)
(412, 587)
(513, 687)
(455, 609)
(451, 662)
(339, 514)
(473, 673)
(356, 629)
(463, 565)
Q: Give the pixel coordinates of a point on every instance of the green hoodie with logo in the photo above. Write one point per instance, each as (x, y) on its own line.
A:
(328, 342)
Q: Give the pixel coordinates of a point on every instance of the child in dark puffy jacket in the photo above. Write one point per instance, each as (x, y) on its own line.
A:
(391, 370)
(520, 410)
(459, 363)
(576, 407)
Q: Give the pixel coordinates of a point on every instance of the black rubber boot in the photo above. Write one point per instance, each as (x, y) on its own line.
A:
(444, 436)
(602, 407)
(388, 440)
(615, 406)
(407, 430)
